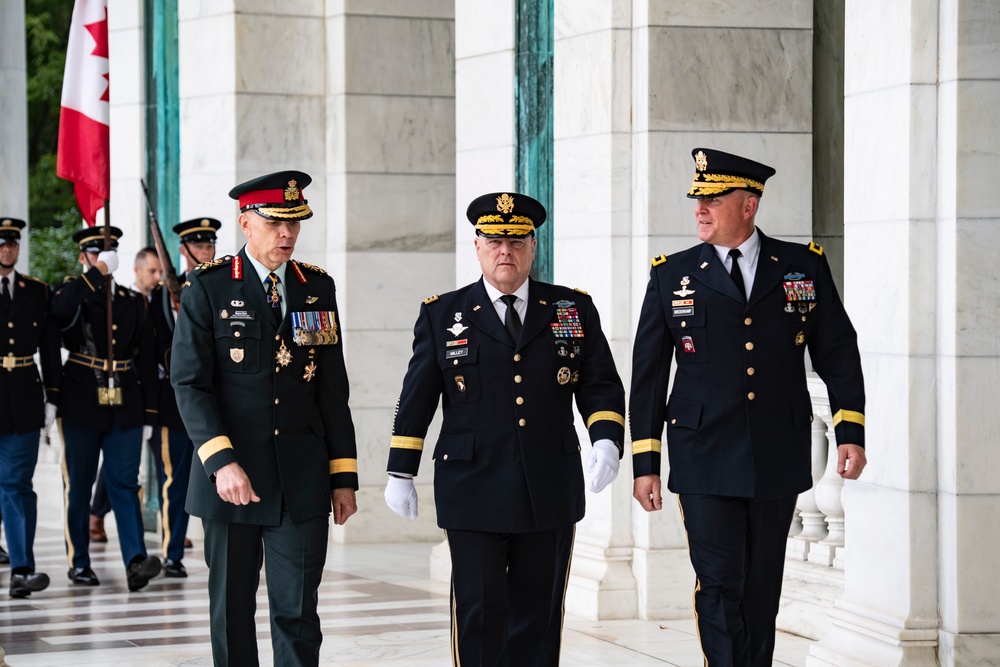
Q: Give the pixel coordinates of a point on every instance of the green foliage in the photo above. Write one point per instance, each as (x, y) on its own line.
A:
(47, 32)
(53, 252)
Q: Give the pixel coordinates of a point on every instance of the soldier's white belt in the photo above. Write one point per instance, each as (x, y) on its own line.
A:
(98, 363)
(11, 362)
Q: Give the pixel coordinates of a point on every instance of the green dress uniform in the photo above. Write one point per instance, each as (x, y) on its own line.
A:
(272, 397)
(738, 414)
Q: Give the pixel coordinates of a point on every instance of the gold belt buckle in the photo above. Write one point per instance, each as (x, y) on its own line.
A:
(109, 396)
(8, 363)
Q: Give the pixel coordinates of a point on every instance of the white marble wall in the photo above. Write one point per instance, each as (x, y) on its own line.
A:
(390, 165)
(733, 77)
(921, 151)
(14, 121)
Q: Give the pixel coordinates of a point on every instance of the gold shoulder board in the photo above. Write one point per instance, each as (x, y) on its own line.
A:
(659, 259)
(214, 263)
(577, 289)
(30, 278)
(311, 267)
(431, 299)
(816, 248)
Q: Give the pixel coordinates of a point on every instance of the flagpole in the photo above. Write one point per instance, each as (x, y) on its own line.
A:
(108, 289)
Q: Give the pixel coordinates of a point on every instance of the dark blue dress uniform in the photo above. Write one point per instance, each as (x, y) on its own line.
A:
(274, 399)
(508, 480)
(89, 427)
(171, 446)
(24, 319)
(738, 414)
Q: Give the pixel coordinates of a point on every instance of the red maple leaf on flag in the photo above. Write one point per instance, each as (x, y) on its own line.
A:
(99, 31)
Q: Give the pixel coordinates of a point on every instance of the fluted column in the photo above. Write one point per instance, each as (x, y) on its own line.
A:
(922, 156)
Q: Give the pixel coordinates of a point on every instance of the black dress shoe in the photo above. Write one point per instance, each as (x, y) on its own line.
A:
(174, 569)
(141, 571)
(83, 576)
(23, 585)
(4, 558)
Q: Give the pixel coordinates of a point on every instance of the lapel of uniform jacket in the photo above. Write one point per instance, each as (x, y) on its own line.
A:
(252, 289)
(712, 273)
(483, 315)
(770, 268)
(295, 294)
(540, 313)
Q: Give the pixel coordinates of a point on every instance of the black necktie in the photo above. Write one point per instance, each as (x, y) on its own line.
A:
(736, 274)
(5, 293)
(511, 320)
(273, 295)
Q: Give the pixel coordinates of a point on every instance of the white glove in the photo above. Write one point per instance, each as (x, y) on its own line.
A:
(147, 432)
(602, 462)
(401, 497)
(50, 416)
(110, 259)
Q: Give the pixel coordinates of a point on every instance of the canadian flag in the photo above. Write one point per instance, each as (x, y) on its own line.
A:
(84, 155)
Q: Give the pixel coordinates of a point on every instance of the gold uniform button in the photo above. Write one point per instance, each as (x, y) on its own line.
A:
(517, 357)
(10, 325)
(277, 369)
(277, 432)
(803, 318)
(673, 421)
(521, 422)
(444, 458)
(455, 362)
(114, 327)
(751, 396)
(520, 400)
(11, 341)
(683, 324)
(517, 378)
(277, 337)
(277, 400)
(748, 321)
(749, 346)
(236, 333)
(750, 371)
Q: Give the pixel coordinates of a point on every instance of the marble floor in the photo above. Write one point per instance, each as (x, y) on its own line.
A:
(377, 605)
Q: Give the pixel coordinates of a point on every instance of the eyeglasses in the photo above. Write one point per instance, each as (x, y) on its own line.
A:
(515, 244)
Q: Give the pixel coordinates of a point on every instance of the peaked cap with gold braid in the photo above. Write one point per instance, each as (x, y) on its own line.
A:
(277, 196)
(718, 173)
(505, 214)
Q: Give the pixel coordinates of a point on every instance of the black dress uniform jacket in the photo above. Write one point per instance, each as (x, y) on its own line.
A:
(79, 304)
(508, 456)
(738, 417)
(27, 329)
(293, 437)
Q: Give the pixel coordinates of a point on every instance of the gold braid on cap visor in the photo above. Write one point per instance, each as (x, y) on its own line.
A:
(716, 183)
(518, 225)
(284, 212)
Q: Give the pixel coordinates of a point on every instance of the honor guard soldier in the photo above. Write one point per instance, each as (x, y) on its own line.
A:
(259, 374)
(24, 307)
(737, 313)
(104, 404)
(507, 356)
(171, 446)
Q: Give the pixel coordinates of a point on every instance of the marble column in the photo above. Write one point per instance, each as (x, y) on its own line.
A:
(592, 245)
(14, 120)
(390, 155)
(127, 118)
(738, 80)
(922, 152)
